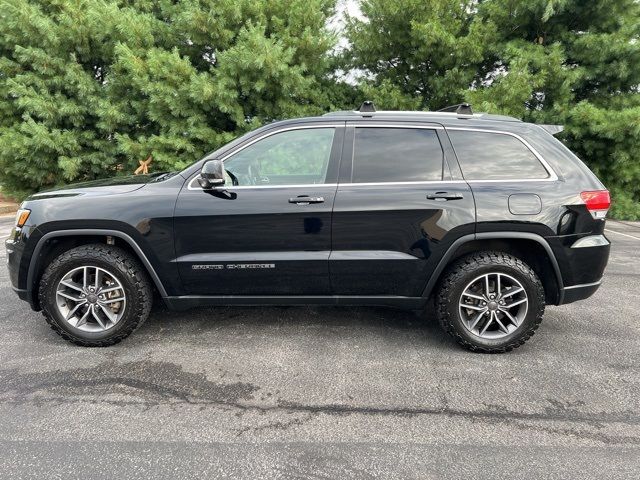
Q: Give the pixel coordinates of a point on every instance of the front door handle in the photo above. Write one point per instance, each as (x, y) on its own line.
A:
(306, 200)
(444, 196)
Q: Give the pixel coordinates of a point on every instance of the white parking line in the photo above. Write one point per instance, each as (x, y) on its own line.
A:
(620, 233)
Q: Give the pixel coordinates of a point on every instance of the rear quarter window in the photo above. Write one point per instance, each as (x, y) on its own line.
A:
(495, 156)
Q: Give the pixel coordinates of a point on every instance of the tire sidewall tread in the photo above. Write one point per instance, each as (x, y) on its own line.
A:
(134, 280)
(459, 275)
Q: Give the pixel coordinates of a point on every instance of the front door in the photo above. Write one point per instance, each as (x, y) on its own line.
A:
(398, 209)
(267, 231)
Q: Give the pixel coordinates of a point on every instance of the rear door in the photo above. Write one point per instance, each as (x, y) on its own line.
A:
(267, 231)
(397, 210)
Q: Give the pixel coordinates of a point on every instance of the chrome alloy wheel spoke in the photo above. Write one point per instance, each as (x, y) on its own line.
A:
(517, 302)
(487, 323)
(97, 317)
(493, 305)
(91, 299)
(510, 317)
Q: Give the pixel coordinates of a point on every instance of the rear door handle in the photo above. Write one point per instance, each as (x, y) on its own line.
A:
(306, 200)
(444, 196)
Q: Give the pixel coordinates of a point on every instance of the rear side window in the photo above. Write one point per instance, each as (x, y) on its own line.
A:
(396, 155)
(495, 156)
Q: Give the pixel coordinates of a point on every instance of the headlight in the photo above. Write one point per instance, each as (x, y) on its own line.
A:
(22, 216)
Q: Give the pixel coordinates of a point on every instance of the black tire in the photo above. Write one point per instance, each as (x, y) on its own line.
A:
(464, 271)
(129, 273)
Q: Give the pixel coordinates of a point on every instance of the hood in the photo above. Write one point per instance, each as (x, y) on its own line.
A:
(105, 186)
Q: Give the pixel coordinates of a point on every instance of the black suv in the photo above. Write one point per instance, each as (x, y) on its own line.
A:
(490, 217)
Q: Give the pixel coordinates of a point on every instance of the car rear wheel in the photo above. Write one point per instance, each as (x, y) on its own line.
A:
(490, 302)
(95, 295)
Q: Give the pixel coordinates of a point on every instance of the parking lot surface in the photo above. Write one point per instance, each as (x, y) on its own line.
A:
(327, 393)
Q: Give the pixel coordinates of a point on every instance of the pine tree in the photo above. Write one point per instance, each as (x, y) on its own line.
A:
(90, 87)
(568, 62)
(416, 53)
(574, 63)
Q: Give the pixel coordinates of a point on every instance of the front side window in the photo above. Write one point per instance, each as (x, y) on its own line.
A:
(495, 156)
(293, 157)
(396, 155)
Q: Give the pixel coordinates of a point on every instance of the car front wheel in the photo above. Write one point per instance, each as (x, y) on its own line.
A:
(95, 295)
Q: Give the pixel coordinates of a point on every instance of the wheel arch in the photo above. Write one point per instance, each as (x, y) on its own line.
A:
(530, 247)
(45, 251)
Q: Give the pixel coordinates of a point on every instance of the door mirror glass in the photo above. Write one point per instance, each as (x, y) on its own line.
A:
(212, 174)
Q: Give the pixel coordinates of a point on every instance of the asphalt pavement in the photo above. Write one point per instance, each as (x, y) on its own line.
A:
(345, 393)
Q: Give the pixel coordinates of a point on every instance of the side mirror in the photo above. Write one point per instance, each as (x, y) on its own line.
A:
(212, 174)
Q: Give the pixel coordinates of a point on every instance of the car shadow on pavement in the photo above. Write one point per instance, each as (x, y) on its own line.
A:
(324, 321)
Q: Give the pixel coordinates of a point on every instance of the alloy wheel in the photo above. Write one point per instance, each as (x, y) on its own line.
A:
(91, 299)
(493, 305)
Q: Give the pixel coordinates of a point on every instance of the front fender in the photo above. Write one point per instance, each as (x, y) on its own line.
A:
(36, 258)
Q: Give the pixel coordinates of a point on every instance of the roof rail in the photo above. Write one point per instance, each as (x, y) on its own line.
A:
(460, 109)
(439, 113)
(367, 107)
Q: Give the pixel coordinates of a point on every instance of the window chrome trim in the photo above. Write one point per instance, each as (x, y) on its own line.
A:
(352, 123)
(248, 144)
(423, 182)
(394, 125)
(255, 187)
(552, 174)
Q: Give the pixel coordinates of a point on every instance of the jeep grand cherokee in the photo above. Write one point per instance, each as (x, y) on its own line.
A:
(489, 217)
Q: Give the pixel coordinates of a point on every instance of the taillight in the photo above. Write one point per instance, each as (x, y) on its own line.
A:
(597, 202)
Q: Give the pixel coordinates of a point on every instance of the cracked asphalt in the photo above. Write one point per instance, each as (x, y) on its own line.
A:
(348, 393)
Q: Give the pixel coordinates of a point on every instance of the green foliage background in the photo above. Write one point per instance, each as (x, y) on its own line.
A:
(90, 87)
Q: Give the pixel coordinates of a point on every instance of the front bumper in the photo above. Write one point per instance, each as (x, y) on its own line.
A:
(14, 255)
(22, 294)
(14, 247)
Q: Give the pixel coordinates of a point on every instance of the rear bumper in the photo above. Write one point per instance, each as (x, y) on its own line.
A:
(579, 292)
(582, 261)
